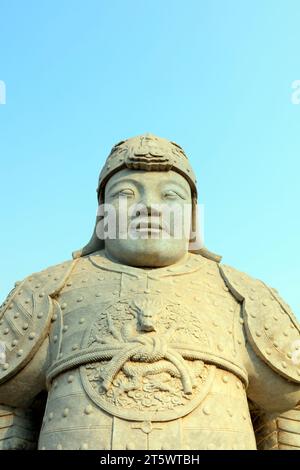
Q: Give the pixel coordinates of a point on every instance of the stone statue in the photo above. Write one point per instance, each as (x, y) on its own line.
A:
(147, 342)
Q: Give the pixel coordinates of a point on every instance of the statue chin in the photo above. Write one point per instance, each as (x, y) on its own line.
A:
(146, 253)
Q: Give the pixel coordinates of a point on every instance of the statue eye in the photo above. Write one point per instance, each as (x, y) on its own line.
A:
(172, 195)
(125, 193)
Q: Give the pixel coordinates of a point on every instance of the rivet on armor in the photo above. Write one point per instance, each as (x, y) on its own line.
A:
(6, 331)
(258, 333)
(25, 326)
(59, 447)
(69, 284)
(11, 306)
(241, 321)
(20, 352)
(284, 364)
(63, 306)
(147, 291)
(230, 331)
(74, 347)
(51, 416)
(244, 417)
(253, 315)
(37, 286)
(220, 347)
(20, 292)
(276, 344)
(289, 355)
(230, 413)
(60, 355)
(40, 315)
(5, 366)
(88, 409)
(14, 342)
(70, 379)
(99, 294)
(82, 320)
(285, 333)
(206, 410)
(215, 323)
(84, 280)
(266, 326)
(268, 351)
(65, 412)
(80, 299)
(100, 278)
(42, 294)
(239, 341)
(32, 335)
(225, 379)
(275, 318)
(54, 317)
(55, 338)
(65, 328)
(16, 315)
(238, 385)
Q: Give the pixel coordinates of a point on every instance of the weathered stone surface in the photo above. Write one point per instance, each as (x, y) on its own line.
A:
(147, 343)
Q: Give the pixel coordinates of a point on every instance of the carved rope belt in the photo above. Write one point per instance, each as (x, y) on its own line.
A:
(140, 351)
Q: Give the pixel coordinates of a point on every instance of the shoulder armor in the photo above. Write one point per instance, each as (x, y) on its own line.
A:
(25, 317)
(270, 325)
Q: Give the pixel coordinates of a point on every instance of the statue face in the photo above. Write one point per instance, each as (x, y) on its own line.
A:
(152, 217)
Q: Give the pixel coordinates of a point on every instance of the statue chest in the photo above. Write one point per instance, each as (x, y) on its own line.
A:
(145, 345)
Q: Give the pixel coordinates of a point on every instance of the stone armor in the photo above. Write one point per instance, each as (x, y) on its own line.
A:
(130, 363)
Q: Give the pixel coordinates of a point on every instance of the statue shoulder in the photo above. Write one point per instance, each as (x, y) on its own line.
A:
(271, 327)
(25, 317)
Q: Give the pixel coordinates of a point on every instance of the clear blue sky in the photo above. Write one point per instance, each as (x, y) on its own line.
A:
(215, 76)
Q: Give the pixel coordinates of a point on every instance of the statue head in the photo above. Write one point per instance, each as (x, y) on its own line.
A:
(147, 196)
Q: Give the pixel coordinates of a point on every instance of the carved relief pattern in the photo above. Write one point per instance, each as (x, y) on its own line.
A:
(146, 371)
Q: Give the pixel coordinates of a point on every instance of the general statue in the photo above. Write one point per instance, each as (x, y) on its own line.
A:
(144, 339)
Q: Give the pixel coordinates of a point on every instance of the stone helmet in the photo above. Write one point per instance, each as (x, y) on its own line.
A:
(151, 153)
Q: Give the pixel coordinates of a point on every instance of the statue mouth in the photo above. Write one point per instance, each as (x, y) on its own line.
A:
(148, 225)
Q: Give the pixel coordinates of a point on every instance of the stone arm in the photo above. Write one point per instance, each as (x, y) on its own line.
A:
(26, 317)
(271, 358)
